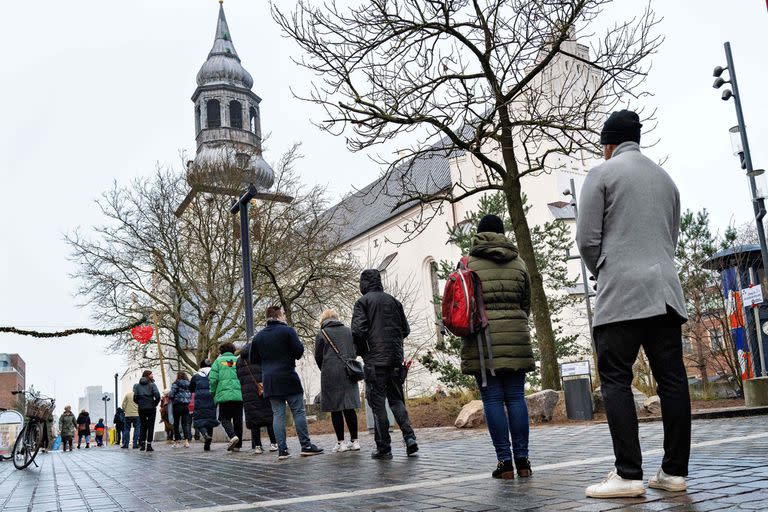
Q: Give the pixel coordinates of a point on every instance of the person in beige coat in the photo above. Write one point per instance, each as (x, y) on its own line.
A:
(131, 420)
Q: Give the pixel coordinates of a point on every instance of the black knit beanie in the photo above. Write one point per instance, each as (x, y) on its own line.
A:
(621, 126)
(490, 224)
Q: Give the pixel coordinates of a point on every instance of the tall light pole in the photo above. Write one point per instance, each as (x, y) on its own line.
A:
(740, 144)
(106, 399)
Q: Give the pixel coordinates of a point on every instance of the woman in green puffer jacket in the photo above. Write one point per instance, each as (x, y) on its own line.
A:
(225, 388)
(506, 354)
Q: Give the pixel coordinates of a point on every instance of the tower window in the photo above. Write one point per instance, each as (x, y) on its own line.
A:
(253, 120)
(213, 111)
(235, 114)
(197, 119)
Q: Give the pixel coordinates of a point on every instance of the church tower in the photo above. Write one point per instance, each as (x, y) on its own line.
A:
(227, 120)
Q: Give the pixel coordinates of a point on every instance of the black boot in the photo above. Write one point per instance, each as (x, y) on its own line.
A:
(382, 455)
(207, 445)
(523, 468)
(149, 447)
(142, 447)
(505, 469)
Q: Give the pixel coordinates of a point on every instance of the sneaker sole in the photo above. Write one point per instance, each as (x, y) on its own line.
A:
(630, 493)
(310, 454)
(665, 487)
(284, 457)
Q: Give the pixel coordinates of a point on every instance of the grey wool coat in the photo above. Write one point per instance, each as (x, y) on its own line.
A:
(627, 231)
(337, 391)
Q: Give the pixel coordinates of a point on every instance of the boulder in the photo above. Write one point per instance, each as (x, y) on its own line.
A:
(560, 413)
(471, 415)
(541, 405)
(652, 404)
(638, 396)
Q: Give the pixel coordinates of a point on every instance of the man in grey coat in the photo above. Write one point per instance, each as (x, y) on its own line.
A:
(628, 226)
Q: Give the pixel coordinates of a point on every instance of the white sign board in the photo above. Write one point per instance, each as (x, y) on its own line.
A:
(751, 296)
(574, 369)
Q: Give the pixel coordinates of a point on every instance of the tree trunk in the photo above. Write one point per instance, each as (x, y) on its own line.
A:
(542, 321)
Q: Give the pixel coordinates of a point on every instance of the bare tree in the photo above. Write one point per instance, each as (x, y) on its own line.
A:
(184, 273)
(501, 80)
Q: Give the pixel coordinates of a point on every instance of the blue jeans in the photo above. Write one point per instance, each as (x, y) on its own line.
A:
(296, 403)
(506, 413)
(131, 421)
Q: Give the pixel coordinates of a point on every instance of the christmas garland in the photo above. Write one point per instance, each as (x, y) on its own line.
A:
(71, 332)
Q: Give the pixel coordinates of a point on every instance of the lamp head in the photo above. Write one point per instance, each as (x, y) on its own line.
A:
(718, 83)
(727, 94)
(718, 71)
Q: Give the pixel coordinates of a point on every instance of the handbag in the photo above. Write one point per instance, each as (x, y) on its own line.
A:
(352, 366)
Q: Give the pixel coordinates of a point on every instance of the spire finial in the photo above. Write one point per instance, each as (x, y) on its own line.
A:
(221, 2)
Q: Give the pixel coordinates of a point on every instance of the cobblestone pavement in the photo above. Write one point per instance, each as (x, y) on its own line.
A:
(729, 471)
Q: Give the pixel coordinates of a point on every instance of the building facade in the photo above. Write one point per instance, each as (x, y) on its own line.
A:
(92, 402)
(12, 378)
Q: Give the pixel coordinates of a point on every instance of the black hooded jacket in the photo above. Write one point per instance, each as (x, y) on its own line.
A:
(378, 325)
(145, 394)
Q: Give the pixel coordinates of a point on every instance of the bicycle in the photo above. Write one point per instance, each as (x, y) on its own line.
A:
(29, 440)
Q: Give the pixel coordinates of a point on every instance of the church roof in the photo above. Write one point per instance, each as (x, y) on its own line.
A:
(223, 66)
(427, 173)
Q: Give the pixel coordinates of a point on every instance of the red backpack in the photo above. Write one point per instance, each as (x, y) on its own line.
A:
(463, 307)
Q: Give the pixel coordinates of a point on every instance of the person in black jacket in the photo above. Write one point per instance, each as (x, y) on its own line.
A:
(119, 422)
(83, 429)
(180, 396)
(258, 410)
(146, 396)
(205, 408)
(379, 327)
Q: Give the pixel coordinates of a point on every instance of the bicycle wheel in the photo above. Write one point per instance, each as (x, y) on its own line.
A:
(27, 445)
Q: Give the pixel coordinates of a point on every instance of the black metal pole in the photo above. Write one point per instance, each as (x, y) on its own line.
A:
(241, 205)
(115, 392)
(756, 204)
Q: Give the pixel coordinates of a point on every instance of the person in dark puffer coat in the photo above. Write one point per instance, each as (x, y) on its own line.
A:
(258, 410)
(205, 408)
(180, 396)
(506, 351)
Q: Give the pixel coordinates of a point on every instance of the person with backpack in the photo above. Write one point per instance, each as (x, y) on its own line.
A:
(498, 353)
(339, 393)
(205, 408)
(119, 422)
(83, 429)
(100, 429)
(379, 327)
(180, 396)
(226, 391)
(67, 428)
(258, 410)
(147, 397)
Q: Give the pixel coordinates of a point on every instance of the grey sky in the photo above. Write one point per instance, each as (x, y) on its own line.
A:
(95, 92)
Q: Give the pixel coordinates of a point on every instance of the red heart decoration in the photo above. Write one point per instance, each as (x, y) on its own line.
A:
(142, 333)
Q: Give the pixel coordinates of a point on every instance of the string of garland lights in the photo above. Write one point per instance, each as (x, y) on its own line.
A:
(71, 332)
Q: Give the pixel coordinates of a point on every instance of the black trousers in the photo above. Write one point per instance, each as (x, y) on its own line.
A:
(337, 419)
(181, 422)
(617, 347)
(256, 436)
(231, 418)
(147, 422)
(384, 383)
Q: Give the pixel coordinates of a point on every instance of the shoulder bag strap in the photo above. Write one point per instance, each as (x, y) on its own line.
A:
(333, 345)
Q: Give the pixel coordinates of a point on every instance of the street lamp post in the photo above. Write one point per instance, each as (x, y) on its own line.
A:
(106, 399)
(242, 206)
(740, 144)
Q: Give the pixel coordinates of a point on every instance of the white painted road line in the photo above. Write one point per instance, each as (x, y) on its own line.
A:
(443, 481)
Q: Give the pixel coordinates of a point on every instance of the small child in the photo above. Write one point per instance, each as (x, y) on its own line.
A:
(100, 428)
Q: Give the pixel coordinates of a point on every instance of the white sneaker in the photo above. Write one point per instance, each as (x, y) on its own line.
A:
(258, 450)
(273, 447)
(339, 447)
(667, 482)
(354, 446)
(232, 443)
(175, 445)
(186, 444)
(616, 487)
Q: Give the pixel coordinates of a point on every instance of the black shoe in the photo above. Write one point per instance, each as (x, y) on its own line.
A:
(282, 455)
(523, 468)
(411, 446)
(87, 445)
(505, 470)
(124, 447)
(78, 447)
(311, 450)
(142, 447)
(149, 448)
(382, 455)
(207, 445)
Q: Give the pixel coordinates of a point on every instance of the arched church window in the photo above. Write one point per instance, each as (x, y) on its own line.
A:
(213, 111)
(197, 119)
(235, 114)
(252, 119)
(436, 296)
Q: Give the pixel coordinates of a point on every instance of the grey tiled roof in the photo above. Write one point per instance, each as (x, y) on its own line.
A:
(427, 173)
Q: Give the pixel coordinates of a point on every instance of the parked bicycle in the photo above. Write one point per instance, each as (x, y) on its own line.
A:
(30, 439)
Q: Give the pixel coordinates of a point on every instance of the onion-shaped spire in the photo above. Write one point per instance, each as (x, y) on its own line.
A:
(223, 65)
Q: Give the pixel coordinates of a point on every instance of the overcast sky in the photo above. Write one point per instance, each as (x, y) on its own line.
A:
(95, 92)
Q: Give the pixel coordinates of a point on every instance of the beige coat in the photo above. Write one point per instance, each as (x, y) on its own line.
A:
(129, 406)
